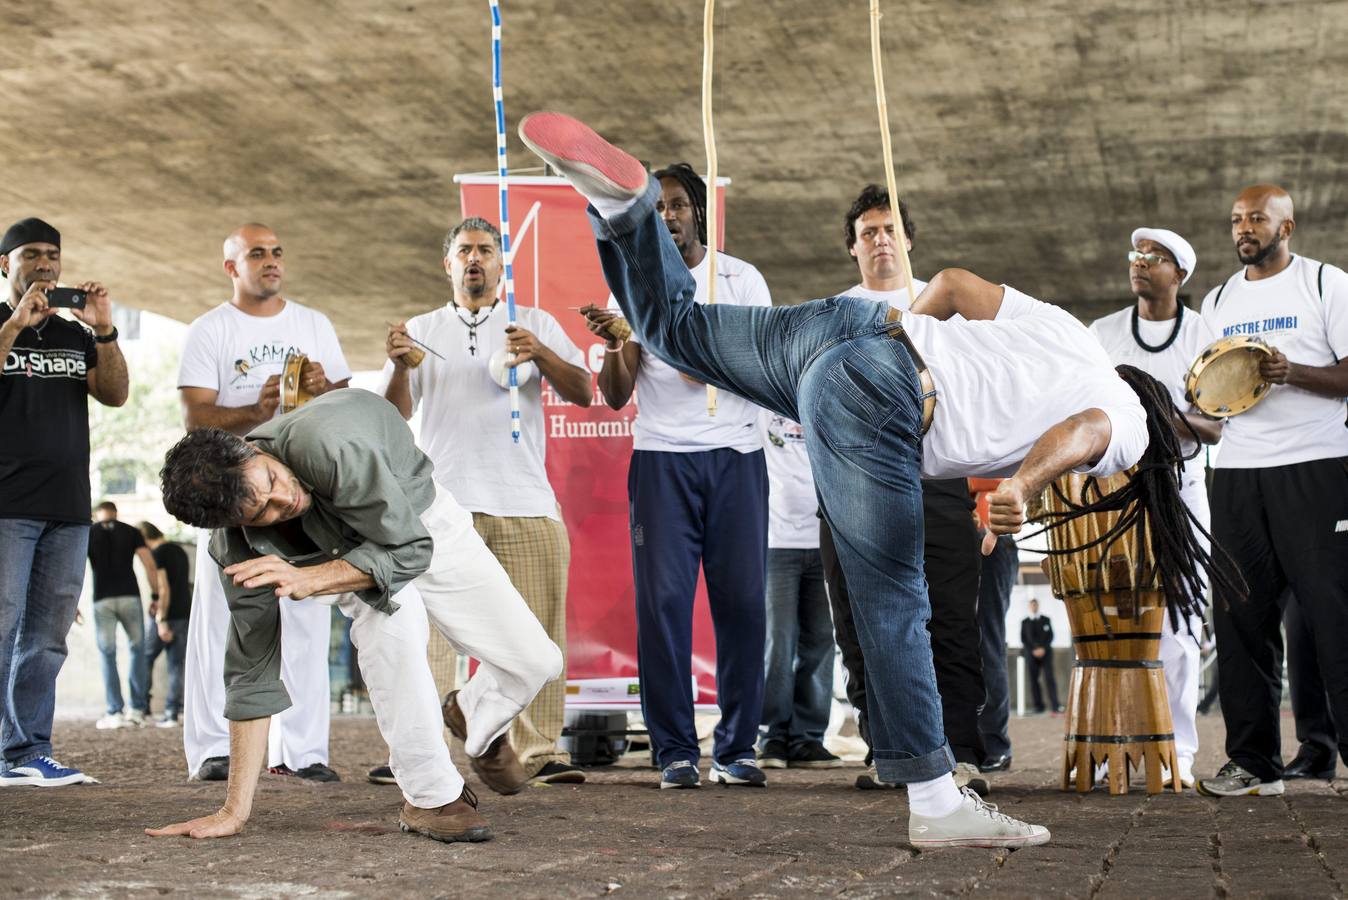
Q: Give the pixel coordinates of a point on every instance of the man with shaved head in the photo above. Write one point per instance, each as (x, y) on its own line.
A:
(230, 378)
(1280, 492)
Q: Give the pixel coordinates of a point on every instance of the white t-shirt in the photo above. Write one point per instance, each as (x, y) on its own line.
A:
(1169, 366)
(897, 299)
(1289, 425)
(672, 411)
(233, 353)
(1002, 383)
(465, 421)
(792, 502)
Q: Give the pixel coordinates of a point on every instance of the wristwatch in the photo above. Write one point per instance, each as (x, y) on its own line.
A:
(106, 338)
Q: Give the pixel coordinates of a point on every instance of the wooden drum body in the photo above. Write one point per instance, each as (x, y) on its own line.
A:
(1118, 711)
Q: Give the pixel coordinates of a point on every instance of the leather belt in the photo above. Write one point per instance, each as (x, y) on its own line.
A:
(924, 378)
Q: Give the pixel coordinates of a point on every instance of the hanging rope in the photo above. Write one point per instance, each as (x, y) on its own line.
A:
(709, 139)
(504, 190)
(900, 237)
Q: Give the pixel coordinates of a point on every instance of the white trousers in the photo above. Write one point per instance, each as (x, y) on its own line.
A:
(1180, 654)
(298, 736)
(469, 598)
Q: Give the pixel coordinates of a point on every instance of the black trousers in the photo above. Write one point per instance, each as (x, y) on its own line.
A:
(1310, 706)
(952, 561)
(994, 596)
(1286, 527)
(1037, 666)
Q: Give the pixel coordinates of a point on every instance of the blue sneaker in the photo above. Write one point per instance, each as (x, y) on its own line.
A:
(43, 772)
(680, 774)
(739, 771)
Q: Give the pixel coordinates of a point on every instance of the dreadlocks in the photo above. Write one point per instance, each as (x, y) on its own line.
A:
(1151, 502)
(696, 189)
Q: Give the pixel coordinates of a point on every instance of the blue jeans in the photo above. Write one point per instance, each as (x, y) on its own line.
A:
(830, 366)
(41, 574)
(177, 655)
(130, 614)
(798, 658)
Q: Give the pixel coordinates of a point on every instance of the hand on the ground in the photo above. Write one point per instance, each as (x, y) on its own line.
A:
(220, 824)
(270, 397)
(1006, 512)
(313, 379)
(1275, 368)
(290, 581)
(523, 344)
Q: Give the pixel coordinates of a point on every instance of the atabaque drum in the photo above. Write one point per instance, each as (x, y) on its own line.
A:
(1224, 380)
(1118, 712)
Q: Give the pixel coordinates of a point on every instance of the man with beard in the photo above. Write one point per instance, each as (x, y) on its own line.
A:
(698, 492)
(1163, 338)
(52, 366)
(230, 378)
(1280, 492)
(465, 430)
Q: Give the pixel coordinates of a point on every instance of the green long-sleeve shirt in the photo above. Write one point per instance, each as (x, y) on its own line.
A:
(369, 484)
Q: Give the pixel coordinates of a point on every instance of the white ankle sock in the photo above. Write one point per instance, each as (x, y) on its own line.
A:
(608, 207)
(935, 798)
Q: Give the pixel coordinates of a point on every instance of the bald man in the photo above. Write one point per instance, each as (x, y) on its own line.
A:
(1280, 491)
(230, 379)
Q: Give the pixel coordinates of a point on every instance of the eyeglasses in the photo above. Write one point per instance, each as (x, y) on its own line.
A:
(1151, 259)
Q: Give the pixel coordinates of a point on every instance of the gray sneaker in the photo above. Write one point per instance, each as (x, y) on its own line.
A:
(1233, 781)
(974, 824)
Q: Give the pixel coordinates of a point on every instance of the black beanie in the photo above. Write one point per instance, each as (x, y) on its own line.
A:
(29, 231)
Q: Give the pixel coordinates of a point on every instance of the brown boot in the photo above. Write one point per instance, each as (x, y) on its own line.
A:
(457, 821)
(499, 768)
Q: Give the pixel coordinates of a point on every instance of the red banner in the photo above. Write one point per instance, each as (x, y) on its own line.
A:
(556, 268)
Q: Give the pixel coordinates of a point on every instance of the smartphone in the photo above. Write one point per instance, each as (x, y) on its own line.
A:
(68, 298)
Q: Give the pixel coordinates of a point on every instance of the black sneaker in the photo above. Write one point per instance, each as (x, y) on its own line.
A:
(773, 755)
(214, 769)
(558, 773)
(381, 775)
(318, 772)
(812, 756)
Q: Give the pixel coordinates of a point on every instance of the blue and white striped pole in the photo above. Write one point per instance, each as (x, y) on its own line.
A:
(504, 188)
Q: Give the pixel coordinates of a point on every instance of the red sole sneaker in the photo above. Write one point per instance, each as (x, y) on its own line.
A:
(573, 148)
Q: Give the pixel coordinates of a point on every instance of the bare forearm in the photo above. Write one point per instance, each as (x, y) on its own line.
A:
(236, 419)
(399, 391)
(8, 335)
(247, 752)
(338, 577)
(618, 377)
(1327, 381)
(161, 611)
(1208, 431)
(1075, 441)
(572, 382)
(959, 291)
(111, 384)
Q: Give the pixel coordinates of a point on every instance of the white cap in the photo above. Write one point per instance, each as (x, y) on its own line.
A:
(1184, 252)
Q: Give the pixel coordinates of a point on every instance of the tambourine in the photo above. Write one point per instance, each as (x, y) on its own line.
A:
(293, 394)
(1225, 381)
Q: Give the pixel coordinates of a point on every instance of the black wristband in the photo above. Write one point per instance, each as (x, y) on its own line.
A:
(106, 338)
(154, 596)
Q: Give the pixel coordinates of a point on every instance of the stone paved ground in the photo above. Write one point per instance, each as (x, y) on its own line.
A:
(808, 834)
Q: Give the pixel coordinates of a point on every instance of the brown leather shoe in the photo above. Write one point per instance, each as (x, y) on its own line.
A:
(499, 768)
(457, 821)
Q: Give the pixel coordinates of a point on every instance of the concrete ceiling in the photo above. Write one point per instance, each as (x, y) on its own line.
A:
(1029, 137)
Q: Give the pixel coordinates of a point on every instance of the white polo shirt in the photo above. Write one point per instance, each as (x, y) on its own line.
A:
(1002, 383)
(233, 353)
(1289, 312)
(793, 523)
(465, 414)
(672, 411)
(1168, 366)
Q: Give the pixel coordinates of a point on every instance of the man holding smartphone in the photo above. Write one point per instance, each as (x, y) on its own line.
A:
(51, 367)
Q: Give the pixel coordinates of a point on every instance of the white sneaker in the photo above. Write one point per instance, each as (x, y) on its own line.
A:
(134, 717)
(111, 720)
(967, 775)
(168, 722)
(974, 824)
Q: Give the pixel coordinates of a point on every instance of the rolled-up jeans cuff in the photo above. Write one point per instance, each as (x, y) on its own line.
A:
(901, 768)
(625, 222)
